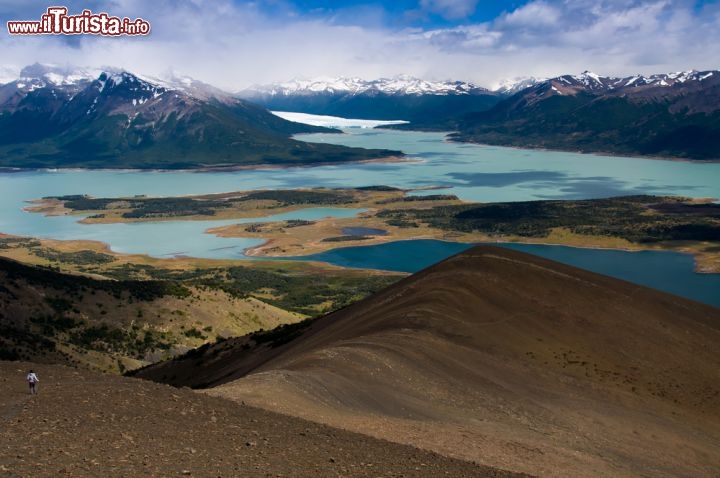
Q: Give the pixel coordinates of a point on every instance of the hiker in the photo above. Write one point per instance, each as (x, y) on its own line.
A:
(32, 379)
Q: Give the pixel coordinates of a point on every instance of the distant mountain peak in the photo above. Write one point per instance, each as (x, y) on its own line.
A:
(397, 85)
(591, 82)
(57, 75)
(114, 118)
(511, 86)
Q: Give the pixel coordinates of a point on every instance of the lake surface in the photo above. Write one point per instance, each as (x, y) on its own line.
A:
(472, 172)
(667, 271)
(363, 231)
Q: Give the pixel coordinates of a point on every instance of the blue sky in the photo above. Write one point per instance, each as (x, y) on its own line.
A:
(398, 14)
(235, 43)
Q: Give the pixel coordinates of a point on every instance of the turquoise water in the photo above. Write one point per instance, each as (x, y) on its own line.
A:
(472, 172)
(160, 239)
(492, 173)
(667, 271)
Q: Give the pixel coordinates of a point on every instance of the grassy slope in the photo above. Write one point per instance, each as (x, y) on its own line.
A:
(109, 325)
(150, 309)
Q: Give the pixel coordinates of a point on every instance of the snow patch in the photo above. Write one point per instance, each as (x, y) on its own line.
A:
(402, 84)
(333, 121)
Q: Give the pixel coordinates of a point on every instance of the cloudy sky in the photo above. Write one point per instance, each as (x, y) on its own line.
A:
(234, 43)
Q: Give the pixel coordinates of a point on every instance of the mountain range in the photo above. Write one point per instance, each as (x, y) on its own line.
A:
(53, 117)
(398, 98)
(669, 115)
(672, 115)
(67, 117)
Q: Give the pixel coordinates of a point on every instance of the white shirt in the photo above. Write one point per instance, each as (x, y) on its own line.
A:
(32, 378)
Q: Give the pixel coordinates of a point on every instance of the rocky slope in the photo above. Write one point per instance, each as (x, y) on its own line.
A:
(92, 425)
(502, 358)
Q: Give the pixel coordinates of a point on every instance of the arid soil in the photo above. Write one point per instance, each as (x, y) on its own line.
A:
(85, 424)
(505, 359)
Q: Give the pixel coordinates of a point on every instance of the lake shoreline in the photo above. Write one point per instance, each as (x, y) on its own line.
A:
(611, 154)
(215, 169)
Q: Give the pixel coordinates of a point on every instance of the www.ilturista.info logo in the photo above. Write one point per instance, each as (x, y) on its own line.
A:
(57, 22)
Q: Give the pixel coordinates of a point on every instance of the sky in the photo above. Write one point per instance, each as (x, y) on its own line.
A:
(234, 44)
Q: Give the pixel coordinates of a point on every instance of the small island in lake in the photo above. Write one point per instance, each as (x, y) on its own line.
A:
(391, 214)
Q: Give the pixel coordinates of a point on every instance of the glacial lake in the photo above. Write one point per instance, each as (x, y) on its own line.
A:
(667, 271)
(472, 172)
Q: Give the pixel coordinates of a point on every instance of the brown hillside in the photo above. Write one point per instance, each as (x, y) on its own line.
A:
(52, 317)
(507, 359)
(84, 424)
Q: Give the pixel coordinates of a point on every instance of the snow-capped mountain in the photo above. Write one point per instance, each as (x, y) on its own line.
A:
(509, 87)
(682, 87)
(398, 98)
(51, 117)
(55, 75)
(670, 114)
(592, 82)
(589, 81)
(399, 85)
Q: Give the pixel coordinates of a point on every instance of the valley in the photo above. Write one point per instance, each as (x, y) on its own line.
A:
(322, 289)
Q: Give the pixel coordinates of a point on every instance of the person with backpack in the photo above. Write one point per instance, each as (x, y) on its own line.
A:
(32, 380)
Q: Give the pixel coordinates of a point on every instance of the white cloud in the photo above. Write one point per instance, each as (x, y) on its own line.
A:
(532, 14)
(450, 8)
(234, 45)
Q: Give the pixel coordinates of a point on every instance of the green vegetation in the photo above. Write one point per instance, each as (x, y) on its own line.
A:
(587, 122)
(180, 133)
(105, 338)
(73, 286)
(346, 238)
(79, 258)
(290, 197)
(309, 294)
(195, 334)
(378, 188)
(147, 208)
(298, 223)
(11, 242)
(639, 219)
(63, 317)
(429, 197)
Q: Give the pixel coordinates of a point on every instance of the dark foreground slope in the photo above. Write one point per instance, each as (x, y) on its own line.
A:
(507, 359)
(87, 424)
